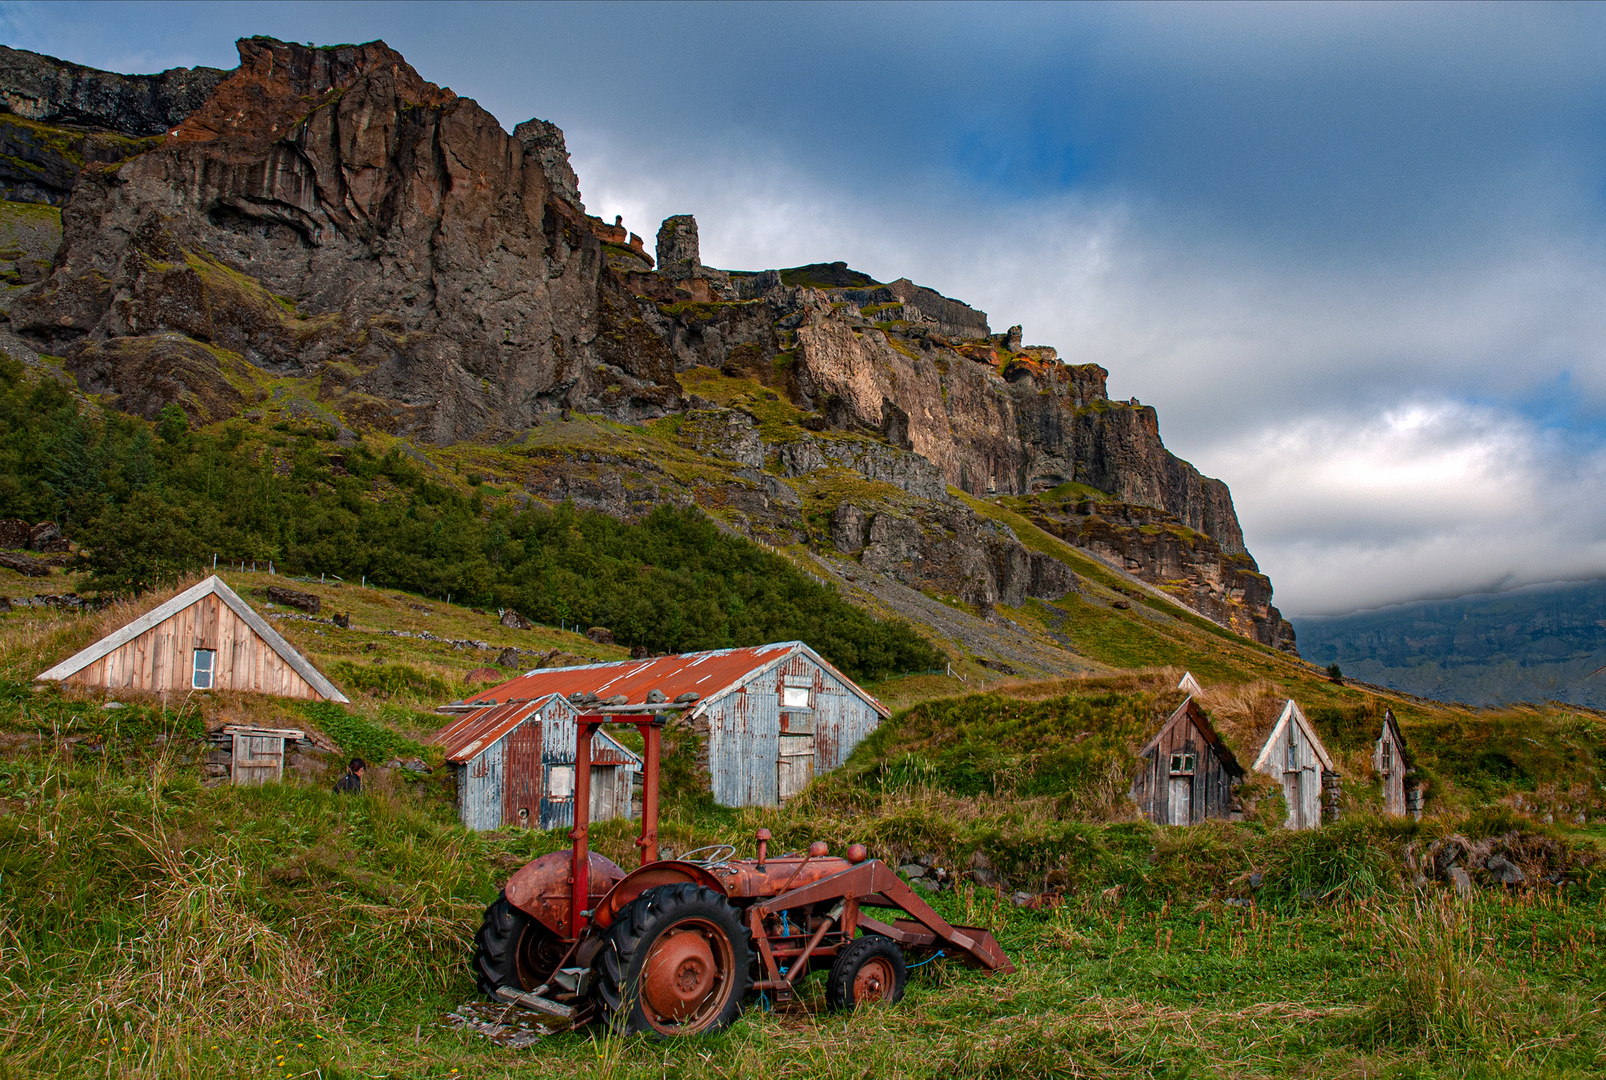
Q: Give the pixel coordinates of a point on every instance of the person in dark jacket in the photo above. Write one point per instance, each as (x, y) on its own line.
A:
(351, 783)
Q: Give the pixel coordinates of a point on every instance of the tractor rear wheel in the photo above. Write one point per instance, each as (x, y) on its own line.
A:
(513, 948)
(676, 962)
(869, 971)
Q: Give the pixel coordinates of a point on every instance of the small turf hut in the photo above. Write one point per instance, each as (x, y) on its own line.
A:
(514, 764)
(1402, 794)
(1293, 754)
(205, 638)
(1186, 773)
(770, 717)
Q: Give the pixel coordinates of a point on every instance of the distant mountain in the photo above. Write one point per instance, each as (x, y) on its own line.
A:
(1535, 644)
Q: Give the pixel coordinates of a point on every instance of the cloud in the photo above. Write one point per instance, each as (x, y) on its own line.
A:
(1354, 254)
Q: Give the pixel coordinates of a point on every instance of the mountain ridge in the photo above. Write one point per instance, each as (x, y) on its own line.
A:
(330, 233)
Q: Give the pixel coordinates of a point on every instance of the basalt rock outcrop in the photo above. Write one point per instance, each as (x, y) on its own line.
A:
(327, 215)
(327, 212)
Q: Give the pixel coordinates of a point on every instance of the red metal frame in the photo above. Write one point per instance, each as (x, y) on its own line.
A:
(651, 727)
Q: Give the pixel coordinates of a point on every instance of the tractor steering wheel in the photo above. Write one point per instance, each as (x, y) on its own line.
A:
(721, 853)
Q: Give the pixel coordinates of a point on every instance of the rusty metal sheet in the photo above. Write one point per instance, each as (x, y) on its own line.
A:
(467, 736)
(521, 776)
(479, 786)
(708, 674)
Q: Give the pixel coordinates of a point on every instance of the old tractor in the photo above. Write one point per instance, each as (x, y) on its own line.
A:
(675, 946)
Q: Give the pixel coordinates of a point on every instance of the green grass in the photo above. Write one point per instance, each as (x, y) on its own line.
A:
(154, 927)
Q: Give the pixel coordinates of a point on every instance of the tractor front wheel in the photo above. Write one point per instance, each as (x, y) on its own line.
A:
(676, 962)
(869, 971)
(513, 948)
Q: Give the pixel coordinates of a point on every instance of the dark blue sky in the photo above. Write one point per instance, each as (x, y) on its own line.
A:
(1354, 253)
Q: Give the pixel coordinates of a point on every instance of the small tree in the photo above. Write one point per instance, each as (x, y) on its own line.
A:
(142, 544)
(1334, 674)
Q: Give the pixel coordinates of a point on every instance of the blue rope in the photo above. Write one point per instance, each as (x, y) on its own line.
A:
(764, 1001)
(926, 961)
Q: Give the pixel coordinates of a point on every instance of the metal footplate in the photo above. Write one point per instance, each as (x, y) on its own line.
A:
(529, 999)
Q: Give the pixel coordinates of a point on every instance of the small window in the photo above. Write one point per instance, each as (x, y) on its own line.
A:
(795, 697)
(1388, 756)
(1182, 764)
(1292, 763)
(560, 781)
(201, 672)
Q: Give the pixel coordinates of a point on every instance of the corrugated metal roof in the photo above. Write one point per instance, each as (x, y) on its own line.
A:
(466, 736)
(708, 674)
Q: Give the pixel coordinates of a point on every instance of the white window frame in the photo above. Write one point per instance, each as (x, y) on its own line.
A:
(560, 781)
(794, 697)
(1182, 763)
(210, 671)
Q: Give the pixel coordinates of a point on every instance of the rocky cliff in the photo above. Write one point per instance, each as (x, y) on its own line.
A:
(324, 223)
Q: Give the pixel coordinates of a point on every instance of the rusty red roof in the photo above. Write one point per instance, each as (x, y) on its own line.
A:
(709, 674)
(466, 736)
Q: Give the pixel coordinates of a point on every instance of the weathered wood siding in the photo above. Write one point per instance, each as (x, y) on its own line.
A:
(1292, 761)
(161, 659)
(1388, 758)
(1182, 799)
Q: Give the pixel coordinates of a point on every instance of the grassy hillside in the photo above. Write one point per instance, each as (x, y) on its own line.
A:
(153, 926)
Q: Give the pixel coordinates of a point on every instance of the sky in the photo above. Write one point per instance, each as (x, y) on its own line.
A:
(1354, 254)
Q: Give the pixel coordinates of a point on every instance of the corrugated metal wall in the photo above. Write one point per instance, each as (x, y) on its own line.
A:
(558, 734)
(745, 730)
(479, 788)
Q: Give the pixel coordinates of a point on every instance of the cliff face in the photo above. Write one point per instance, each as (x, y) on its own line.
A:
(326, 215)
(328, 212)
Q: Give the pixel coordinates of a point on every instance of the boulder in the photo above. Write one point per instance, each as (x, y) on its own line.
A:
(638, 652)
(656, 696)
(912, 870)
(484, 675)
(307, 602)
(46, 536)
(510, 657)
(1460, 879)
(617, 699)
(688, 697)
(343, 621)
(22, 564)
(601, 635)
(514, 621)
(1504, 870)
(14, 534)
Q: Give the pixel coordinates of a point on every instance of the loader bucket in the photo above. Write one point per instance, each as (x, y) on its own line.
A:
(926, 929)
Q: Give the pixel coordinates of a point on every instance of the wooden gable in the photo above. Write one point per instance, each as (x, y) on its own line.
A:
(1293, 754)
(1392, 760)
(157, 652)
(1186, 773)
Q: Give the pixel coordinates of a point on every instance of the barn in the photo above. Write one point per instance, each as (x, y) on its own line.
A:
(1402, 794)
(1294, 756)
(1185, 773)
(205, 638)
(771, 717)
(514, 764)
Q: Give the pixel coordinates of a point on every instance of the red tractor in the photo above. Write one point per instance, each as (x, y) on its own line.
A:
(675, 946)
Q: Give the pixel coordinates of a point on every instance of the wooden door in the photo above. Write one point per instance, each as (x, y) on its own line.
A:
(257, 759)
(795, 764)
(1294, 795)
(1182, 800)
(604, 792)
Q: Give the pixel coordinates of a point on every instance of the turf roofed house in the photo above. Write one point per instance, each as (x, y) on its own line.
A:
(205, 638)
(770, 717)
(1393, 763)
(1186, 773)
(1294, 755)
(514, 764)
